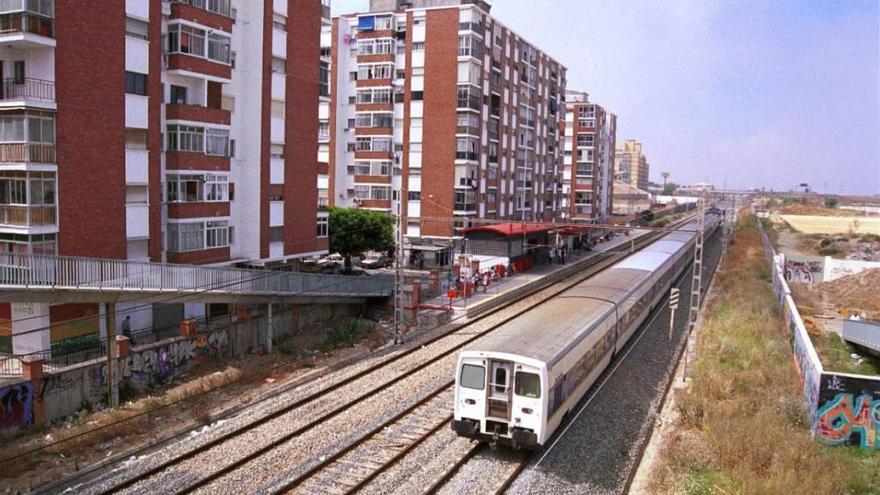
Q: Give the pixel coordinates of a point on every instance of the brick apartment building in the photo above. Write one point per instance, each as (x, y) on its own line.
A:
(632, 166)
(588, 179)
(182, 131)
(440, 110)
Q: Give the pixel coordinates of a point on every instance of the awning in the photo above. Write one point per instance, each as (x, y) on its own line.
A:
(511, 229)
(429, 248)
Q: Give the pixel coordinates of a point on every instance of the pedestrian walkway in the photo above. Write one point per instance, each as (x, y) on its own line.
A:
(482, 301)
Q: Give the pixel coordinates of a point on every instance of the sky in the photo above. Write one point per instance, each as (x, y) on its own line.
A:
(742, 94)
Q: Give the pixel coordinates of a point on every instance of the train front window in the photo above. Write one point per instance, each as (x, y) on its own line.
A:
(528, 385)
(473, 376)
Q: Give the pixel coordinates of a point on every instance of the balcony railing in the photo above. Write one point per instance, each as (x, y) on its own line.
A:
(221, 7)
(27, 216)
(27, 152)
(27, 89)
(27, 23)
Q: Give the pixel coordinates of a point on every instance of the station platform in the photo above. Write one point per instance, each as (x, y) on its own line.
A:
(508, 288)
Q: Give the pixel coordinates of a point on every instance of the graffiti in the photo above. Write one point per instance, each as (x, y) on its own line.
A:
(161, 362)
(802, 271)
(847, 415)
(17, 405)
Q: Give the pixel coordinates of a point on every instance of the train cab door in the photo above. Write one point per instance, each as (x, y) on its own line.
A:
(499, 389)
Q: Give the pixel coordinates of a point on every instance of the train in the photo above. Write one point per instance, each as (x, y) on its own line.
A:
(515, 386)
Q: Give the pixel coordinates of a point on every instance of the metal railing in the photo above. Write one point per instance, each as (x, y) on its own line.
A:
(27, 216)
(27, 89)
(24, 271)
(221, 7)
(27, 152)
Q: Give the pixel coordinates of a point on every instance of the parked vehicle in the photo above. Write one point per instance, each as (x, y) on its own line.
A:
(376, 260)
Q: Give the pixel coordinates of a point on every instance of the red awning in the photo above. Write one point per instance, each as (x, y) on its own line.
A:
(511, 229)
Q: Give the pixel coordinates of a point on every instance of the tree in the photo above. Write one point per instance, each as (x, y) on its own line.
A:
(831, 202)
(647, 216)
(353, 231)
(669, 189)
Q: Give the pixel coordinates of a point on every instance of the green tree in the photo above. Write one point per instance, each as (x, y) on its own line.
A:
(353, 231)
(669, 188)
(647, 216)
(831, 202)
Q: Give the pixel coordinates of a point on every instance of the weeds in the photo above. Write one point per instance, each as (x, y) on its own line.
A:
(347, 333)
(743, 428)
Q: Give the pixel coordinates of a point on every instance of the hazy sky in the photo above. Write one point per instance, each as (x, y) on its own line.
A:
(745, 93)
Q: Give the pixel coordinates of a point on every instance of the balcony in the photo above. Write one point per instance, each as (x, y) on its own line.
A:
(27, 152)
(197, 113)
(27, 216)
(27, 23)
(29, 91)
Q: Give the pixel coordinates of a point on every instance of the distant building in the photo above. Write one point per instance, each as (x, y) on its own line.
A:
(629, 199)
(631, 164)
(696, 187)
(588, 177)
(440, 112)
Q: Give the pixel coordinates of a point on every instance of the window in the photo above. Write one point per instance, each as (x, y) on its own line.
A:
(384, 23)
(373, 144)
(184, 237)
(527, 385)
(217, 142)
(276, 234)
(368, 120)
(415, 195)
(374, 95)
(473, 377)
(279, 65)
(375, 71)
(586, 139)
(136, 84)
(219, 48)
(324, 81)
(193, 188)
(19, 71)
(178, 95)
(277, 108)
(470, 46)
(135, 139)
(380, 46)
(186, 138)
(279, 22)
(323, 130)
(323, 227)
(186, 39)
(276, 151)
(419, 46)
(217, 234)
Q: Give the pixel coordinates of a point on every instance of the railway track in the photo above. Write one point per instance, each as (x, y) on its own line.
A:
(474, 330)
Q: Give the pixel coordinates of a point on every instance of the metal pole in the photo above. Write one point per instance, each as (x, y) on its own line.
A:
(112, 385)
(671, 322)
(269, 329)
(398, 277)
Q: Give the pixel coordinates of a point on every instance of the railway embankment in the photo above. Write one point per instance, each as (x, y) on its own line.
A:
(740, 425)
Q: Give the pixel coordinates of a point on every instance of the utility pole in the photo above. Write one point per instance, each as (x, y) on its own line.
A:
(673, 305)
(398, 275)
(697, 280)
(110, 375)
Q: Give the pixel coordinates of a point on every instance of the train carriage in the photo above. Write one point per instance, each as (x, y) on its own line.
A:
(516, 385)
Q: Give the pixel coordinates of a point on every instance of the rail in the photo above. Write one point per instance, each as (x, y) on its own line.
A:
(27, 89)
(33, 272)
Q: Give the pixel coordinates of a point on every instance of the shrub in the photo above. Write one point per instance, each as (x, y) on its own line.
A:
(831, 202)
(830, 251)
(347, 333)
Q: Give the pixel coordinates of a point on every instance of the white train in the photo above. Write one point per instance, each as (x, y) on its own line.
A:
(514, 386)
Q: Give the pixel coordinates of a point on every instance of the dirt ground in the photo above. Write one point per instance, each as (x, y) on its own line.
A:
(811, 224)
(209, 390)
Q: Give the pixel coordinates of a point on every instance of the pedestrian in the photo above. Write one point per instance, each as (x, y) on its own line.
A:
(562, 254)
(126, 329)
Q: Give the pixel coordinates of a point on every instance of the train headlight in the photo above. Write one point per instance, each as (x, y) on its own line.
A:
(527, 410)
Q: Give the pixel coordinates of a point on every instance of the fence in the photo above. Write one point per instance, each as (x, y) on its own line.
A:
(844, 408)
(61, 272)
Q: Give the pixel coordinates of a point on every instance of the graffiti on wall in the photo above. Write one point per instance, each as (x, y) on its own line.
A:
(160, 362)
(808, 373)
(850, 412)
(17, 405)
(803, 272)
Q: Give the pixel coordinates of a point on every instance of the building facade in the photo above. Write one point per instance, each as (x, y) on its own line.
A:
(632, 166)
(588, 178)
(185, 135)
(443, 114)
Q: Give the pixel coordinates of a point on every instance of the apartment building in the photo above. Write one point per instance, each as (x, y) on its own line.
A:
(588, 178)
(441, 113)
(631, 165)
(184, 132)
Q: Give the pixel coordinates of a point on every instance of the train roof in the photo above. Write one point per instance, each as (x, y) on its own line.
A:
(546, 333)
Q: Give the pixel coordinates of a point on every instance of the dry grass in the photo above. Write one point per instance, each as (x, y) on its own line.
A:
(743, 428)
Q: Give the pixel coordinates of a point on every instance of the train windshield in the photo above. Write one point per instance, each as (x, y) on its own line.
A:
(528, 385)
(473, 376)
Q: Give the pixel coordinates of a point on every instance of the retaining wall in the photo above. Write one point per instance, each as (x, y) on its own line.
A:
(844, 408)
